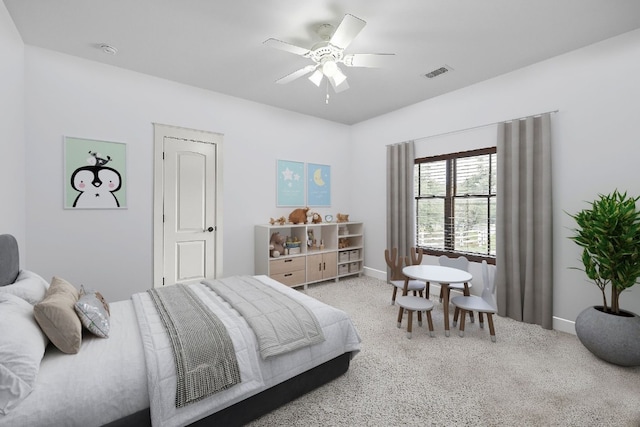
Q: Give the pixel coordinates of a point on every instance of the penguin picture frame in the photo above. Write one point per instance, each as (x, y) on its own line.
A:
(95, 174)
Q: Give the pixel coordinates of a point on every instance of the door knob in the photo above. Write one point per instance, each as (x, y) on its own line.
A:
(210, 229)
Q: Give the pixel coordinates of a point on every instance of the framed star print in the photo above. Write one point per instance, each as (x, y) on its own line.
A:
(290, 183)
(95, 174)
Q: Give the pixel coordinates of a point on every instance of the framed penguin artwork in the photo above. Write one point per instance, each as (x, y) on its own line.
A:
(95, 174)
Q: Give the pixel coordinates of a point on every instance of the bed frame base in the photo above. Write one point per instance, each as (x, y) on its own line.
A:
(262, 403)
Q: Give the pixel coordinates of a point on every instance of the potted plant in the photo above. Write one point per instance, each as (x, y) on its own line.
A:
(609, 234)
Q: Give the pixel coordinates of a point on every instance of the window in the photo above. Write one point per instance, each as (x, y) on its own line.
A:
(456, 204)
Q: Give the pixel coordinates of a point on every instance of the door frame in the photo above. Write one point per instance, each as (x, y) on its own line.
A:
(160, 132)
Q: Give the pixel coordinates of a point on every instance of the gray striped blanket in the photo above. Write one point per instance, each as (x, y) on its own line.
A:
(203, 351)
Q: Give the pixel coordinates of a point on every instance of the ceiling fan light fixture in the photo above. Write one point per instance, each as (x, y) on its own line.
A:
(338, 77)
(329, 68)
(316, 77)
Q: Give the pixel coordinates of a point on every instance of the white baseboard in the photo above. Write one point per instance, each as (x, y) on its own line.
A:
(564, 325)
(559, 324)
(377, 274)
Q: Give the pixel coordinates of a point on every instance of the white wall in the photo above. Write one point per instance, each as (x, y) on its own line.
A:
(596, 146)
(112, 250)
(12, 151)
(595, 150)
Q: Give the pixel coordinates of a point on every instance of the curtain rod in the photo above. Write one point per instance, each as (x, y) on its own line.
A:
(485, 125)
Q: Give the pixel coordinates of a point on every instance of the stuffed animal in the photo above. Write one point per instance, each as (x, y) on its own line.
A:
(315, 217)
(343, 243)
(282, 220)
(298, 216)
(276, 245)
(342, 217)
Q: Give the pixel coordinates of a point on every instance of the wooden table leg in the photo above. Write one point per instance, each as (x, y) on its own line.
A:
(445, 307)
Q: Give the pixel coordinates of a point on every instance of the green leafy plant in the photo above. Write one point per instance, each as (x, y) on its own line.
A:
(609, 233)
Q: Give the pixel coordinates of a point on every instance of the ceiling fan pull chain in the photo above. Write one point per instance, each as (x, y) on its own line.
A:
(326, 101)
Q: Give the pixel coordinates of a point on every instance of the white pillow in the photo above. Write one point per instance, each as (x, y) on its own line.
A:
(28, 286)
(22, 345)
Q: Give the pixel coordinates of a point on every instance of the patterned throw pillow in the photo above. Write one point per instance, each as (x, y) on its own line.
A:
(93, 312)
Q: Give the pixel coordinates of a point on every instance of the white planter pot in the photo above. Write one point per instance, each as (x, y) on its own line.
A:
(614, 338)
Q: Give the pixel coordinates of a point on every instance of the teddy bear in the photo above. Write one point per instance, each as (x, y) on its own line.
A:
(315, 217)
(276, 245)
(343, 243)
(342, 217)
(282, 220)
(298, 216)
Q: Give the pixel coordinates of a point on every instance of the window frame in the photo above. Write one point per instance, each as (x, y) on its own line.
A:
(448, 202)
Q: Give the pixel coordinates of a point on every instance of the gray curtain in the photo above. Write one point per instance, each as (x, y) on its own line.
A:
(524, 270)
(401, 221)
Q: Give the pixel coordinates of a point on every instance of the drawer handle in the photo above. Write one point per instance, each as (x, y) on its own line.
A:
(288, 274)
(288, 260)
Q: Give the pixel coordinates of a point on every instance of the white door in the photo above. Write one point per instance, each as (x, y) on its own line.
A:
(190, 223)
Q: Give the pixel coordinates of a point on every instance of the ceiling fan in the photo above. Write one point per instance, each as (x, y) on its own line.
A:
(327, 54)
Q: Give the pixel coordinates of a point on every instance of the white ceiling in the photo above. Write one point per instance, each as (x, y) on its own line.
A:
(217, 45)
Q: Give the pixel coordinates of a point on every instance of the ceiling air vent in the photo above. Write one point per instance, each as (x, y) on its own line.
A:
(439, 71)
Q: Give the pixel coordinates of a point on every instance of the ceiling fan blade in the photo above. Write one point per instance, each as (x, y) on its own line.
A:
(347, 31)
(296, 74)
(371, 60)
(287, 47)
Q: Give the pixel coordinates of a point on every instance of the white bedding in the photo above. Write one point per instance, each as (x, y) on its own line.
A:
(105, 380)
(257, 374)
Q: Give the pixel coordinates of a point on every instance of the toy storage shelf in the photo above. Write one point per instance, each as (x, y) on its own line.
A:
(327, 251)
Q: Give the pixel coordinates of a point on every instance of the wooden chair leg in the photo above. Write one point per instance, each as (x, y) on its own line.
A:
(409, 323)
(462, 316)
(430, 321)
(456, 313)
(400, 313)
(426, 290)
(492, 331)
(393, 297)
(467, 293)
(419, 318)
(441, 292)
(481, 319)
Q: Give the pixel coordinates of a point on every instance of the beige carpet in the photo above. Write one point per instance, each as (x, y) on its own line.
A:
(529, 377)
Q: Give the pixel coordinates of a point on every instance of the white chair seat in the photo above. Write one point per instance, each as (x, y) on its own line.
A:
(414, 285)
(410, 302)
(459, 286)
(472, 303)
(413, 303)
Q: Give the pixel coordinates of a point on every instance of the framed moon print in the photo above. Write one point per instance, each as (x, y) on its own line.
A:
(95, 174)
(318, 185)
(290, 184)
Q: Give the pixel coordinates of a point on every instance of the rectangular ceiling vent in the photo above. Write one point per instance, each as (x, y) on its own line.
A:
(438, 72)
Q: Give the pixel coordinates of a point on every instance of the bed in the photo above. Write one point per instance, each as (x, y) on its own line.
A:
(123, 379)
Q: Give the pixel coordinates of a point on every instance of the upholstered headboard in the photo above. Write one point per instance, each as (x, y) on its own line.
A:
(9, 259)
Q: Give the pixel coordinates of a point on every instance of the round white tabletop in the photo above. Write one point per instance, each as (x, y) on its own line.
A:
(437, 273)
